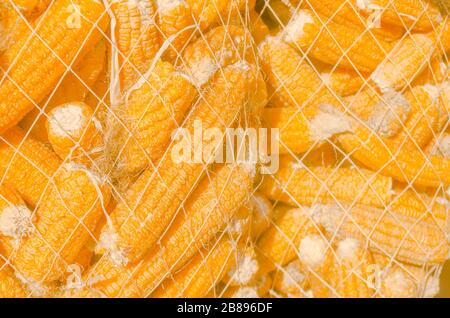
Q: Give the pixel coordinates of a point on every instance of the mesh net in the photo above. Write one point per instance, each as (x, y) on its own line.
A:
(217, 148)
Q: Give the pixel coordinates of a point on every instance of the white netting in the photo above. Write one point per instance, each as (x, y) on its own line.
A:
(122, 173)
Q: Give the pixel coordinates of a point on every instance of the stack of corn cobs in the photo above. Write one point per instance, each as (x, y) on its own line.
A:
(95, 201)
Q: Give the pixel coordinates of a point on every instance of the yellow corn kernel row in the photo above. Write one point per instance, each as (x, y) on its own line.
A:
(292, 80)
(279, 244)
(346, 12)
(335, 44)
(209, 208)
(135, 37)
(10, 286)
(74, 87)
(384, 156)
(154, 198)
(39, 59)
(26, 164)
(406, 60)
(164, 97)
(32, 6)
(423, 121)
(16, 220)
(177, 26)
(201, 274)
(409, 239)
(345, 272)
(75, 134)
(221, 46)
(68, 212)
(297, 184)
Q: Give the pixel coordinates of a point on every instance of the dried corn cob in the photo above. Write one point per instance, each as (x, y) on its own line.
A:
(41, 60)
(10, 286)
(208, 210)
(135, 37)
(297, 184)
(69, 210)
(73, 88)
(423, 122)
(164, 97)
(150, 204)
(16, 220)
(341, 81)
(407, 59)
(335, 44)
(418, 15)
(348, 13)
(409, 239)
(293, 81)
(222, 46)
(200, 275)
(208, 13)
(279, 244)
(177, 25)
(75, 134)
(410, 166)
(26, 164)
(349, 275)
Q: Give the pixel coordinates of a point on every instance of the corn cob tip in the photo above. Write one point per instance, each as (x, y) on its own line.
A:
(68, 120)
(295, 29)
(107, 245)
(347, 248)
(328, 122)
(312, 251)
(246, 267)
(16, 222)
(392, 108)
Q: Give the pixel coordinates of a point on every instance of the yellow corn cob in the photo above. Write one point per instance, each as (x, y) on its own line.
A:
(423, 122)
(245, 269)
(334, 43)
(70, 209)
(349, 274)
(75, 134)
(385, 113)
(300, 130)
(26, 164)
(42, 58)
(201, 274)
(11, 25)
(208, 13)
(409, 239)
(341, 81)
(177, 25)
(292, 80)
(164, 97)
(297, 184)
(208, 210)
(400, 280)
(417, 15)
(262, 214)
(32, 6)
(73, 88)
(407, 59)
(10, 286)
(16, 220)
(410, 166)
(136, 39)
(279, 244)
(222, 46)
(290, 280)
(153, 199)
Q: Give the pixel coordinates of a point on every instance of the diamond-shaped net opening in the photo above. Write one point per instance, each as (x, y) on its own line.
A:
(218, 148)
